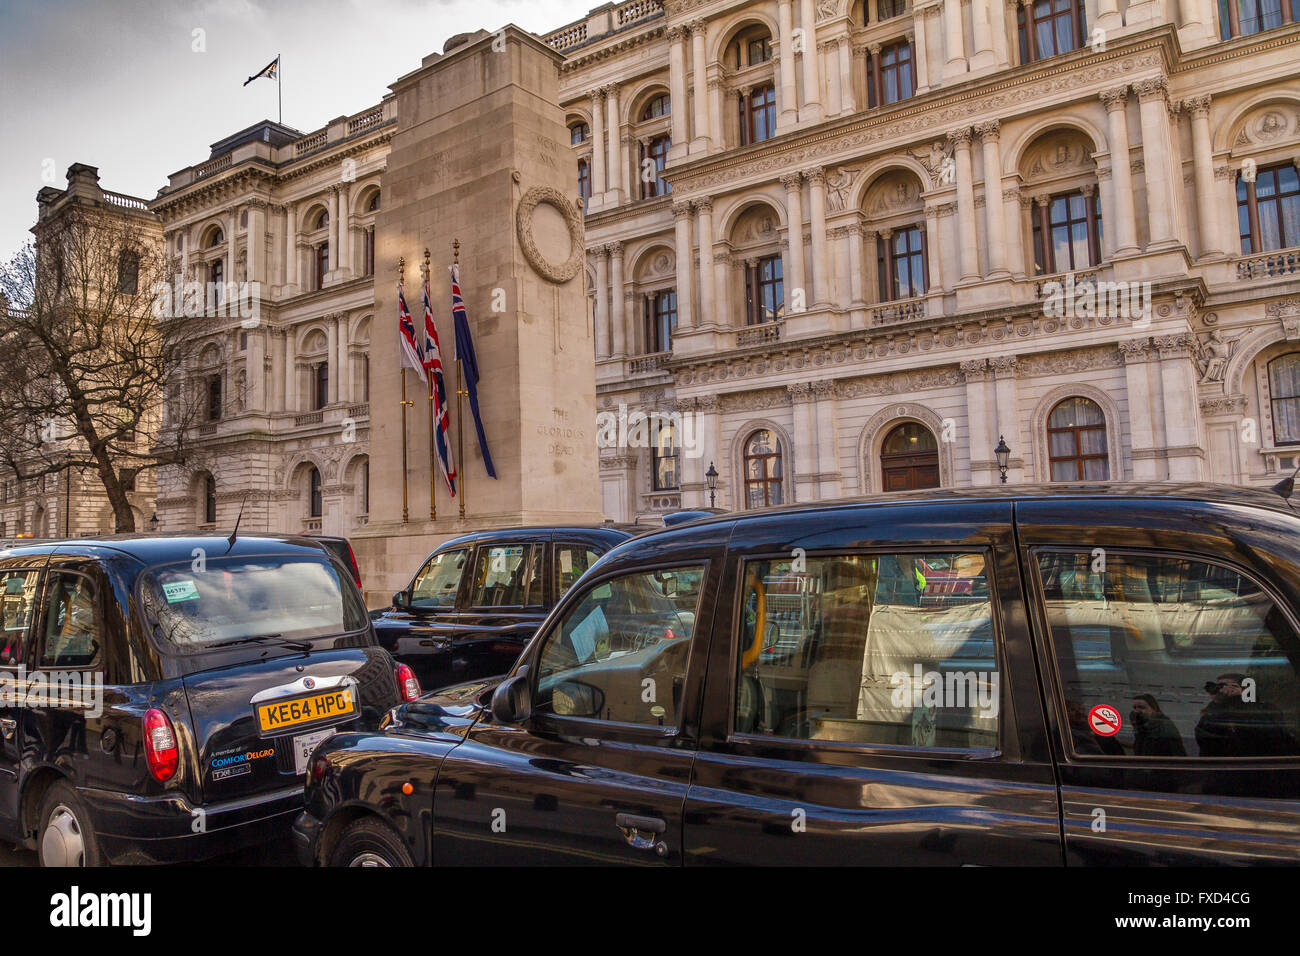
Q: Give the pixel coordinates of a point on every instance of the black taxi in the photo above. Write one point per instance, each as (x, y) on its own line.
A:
(162, 695)
(476, 600)
(1052, 676)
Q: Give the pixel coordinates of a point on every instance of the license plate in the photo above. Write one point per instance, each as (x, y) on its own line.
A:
(279, 715)
(304, 744)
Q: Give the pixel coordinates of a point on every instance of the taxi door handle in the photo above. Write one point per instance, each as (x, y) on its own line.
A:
(7, 727)
(642, 832)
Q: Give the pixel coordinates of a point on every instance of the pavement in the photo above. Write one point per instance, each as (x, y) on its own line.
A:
(275, 853)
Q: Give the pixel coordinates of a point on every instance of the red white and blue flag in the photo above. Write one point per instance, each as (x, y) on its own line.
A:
(469, 365)
(441, 418)
(412, 348)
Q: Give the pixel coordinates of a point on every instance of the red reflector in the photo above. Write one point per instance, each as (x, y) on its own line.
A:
(160, 748)
(407, 684)
(356, 571)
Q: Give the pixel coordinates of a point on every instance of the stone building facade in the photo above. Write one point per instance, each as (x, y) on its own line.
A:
(827, 241)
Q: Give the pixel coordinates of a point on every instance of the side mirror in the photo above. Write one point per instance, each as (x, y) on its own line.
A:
(512, 701)
(402, 600)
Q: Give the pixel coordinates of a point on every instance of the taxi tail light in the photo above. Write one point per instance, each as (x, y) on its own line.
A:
(356, 571)
(160, 749)
(407, 683)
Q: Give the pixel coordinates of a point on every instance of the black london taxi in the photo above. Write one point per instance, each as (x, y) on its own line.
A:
(478, 598)
(161, 695)
(1056, 676)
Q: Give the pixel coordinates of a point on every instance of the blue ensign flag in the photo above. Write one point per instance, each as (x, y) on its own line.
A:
(469, 365)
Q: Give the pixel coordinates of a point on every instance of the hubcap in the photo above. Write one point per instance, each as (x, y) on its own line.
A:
(62, 843)
(368, 859)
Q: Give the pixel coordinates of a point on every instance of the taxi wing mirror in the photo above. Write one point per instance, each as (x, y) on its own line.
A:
(512, 701)
(402, 600)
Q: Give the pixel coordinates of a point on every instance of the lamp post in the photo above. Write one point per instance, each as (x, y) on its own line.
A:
(1003, 454)
(711, 476)
(153, 522)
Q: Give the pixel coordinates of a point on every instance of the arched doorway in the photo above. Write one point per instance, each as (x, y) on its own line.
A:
(909, 458)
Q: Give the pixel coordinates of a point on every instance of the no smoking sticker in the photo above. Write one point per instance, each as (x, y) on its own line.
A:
(1104, 720)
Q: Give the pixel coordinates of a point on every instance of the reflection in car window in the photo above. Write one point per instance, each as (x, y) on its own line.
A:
(1190, 659)
(507, 575)
(571, 563)
(439, 580)
(71, 633)
(620, 653)
(17, 599)
(880, 649)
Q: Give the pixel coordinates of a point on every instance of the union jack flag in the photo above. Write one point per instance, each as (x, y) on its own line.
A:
(441, 418)
(412, 348)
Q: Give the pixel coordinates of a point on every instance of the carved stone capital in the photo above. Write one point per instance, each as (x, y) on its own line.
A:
(959, 138)
(988, 131)
(703, 205)
(1115, 99)
(1198, 106)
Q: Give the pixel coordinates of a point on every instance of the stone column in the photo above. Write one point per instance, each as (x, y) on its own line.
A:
(1108, 17)
(976, 373)
(857, 265)
(1121, 171)
(840, 296)
(257, 271)
(232, 256)
(598, 181)
(723, 315)
(789, 105)
(291, 246)
(970, 263)
(1008, 420)
(998, 23)
(954, 39)
(934, 252)
(1178, 378)
(804, 454)
(332, 358)
(601, 254)
(829, 52)
(794, 217)
(848, 97)
(995, 234)
(1207, 210)
(982, 57)
(332, 203)
(618, 315)
(1142, 443)
(685, 281)
(613, 121)
(677, 84)
(828, 461)
(1153, 107)
(921, 56)
(700, 139)
(821, 255)
(704, 238)
(716, 135)
(1014, 230)
(345, 229)
(812, 81)
(290, 370)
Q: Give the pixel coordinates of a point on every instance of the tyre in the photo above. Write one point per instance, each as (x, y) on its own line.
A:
(369, 842)
(65, 837)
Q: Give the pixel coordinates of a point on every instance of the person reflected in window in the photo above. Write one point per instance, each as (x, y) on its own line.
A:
(1232, 726)
(1154, 734)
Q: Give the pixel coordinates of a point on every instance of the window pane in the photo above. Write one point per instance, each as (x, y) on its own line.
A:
(71, 634)
(1194, 659)
(620, 654)
(17, 599)
(894, 650)
(439, 580)
(571, 563)
(507, 576)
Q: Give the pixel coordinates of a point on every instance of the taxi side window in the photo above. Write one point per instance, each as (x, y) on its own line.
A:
(17, 606)
(439, 580)
(1164, 656)
(620, 653)
(894, 650)
(70, 635)
(507, 575)
(571, 563)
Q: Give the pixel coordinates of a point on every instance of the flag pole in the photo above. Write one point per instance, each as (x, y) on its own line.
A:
(401, 366)
(279, 93)
(428, 371)
(460, 393)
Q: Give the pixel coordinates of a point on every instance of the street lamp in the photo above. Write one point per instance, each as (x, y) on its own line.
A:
(711, 476)
(153, 522)
(1003, 454)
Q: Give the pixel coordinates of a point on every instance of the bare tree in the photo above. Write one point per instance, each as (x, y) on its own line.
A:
(86, 353)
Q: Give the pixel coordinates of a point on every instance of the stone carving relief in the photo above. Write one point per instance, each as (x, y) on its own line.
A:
(1267, 125)
(1213, 354)
(544, 267)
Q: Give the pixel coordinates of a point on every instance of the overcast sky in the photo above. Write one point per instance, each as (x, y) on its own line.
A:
(119, 84)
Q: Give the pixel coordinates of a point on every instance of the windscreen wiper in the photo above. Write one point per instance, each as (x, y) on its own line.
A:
(262, 639)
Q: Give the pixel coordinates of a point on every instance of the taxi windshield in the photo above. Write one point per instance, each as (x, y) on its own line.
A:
(199, 605)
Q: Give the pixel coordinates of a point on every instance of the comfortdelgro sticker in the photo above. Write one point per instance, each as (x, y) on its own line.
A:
(178, 591)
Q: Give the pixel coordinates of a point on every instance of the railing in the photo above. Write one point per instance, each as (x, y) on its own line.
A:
(904, 310)
(310, 418)
(649, 363)
(568, 37)
(637, 10)
(1088, 276)
(213, 166)
(308, 143)
(366, 120)
(127, 202)
(759, 334)
(313, 524)
(359, 411)
(1279, 262)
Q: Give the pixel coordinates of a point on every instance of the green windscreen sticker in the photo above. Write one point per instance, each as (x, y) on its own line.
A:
(178, 591)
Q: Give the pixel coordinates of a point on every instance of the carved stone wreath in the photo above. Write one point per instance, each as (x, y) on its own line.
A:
(524, 224)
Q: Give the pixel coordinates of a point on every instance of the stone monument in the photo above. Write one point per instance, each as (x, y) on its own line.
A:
(479, 156)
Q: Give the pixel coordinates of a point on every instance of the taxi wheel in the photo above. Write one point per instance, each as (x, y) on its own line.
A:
(65, 837)
(369, 842)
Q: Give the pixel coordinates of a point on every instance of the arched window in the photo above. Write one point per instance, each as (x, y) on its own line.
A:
(1284, 396)
(909, 458)
(764, 291)
(579, 133)
(891, 75)
(322, 263)
(373, 205)
(1268, 209)
(1050, 28)
(763, 474)
(661, 320)
(657, 152)
(1071, 223)
(656, 107)
(209, 499)
(758, 114)
(584, 179)
(128, 273)
(314, 500)
(888, 9)
(1076, 441)
(216, 238)
(322, 220)
(217, 278)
